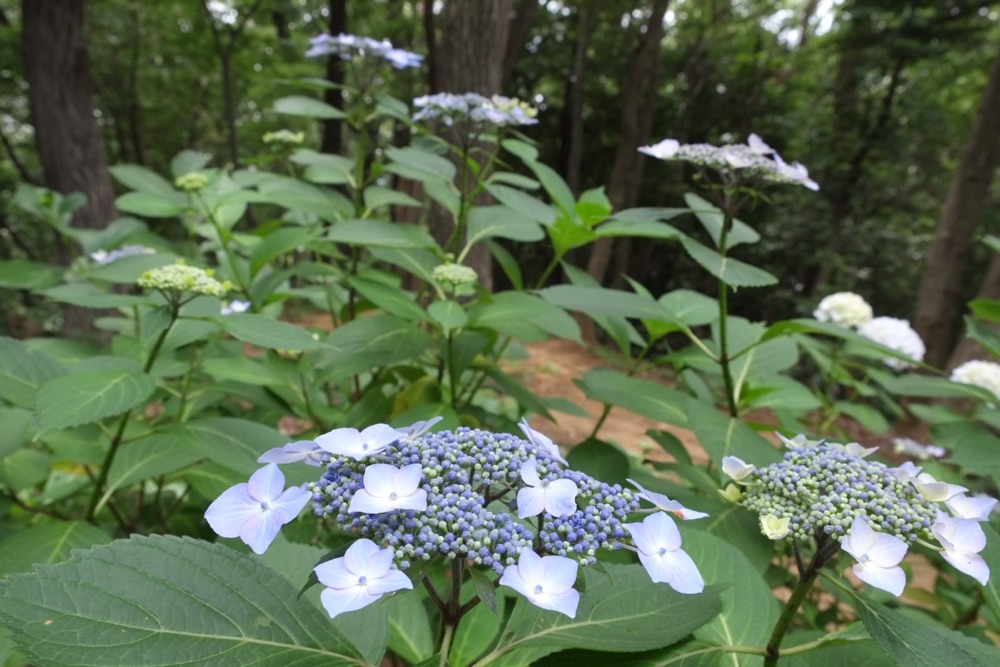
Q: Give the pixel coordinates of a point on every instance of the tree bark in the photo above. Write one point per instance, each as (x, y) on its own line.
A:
(469, 59)
(573, 109)
(636, 113)
(521, 23)
(940, 295)
(333, 131)
(60, 96)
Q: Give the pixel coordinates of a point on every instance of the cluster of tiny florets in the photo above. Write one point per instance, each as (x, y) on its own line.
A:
(284, 137)
(193, 181)
(497, 111)
(182, 278)
(353, 47)
(454, 274)
(898, 335)
(844, 308)
(471, 478)
(985, 374)
(823, 488)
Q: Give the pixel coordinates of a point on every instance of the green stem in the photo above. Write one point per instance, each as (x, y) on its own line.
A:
(825, 549)
(724, 360)
(116, 440)
(446, 639)
(228, 251)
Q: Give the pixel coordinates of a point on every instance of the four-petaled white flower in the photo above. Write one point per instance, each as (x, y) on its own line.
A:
(417, 429)
(799, 441)
(931, 489)
(388, 488)
(307, 451)
(659, 545)
(775, 528)
(541, 441)
(361, 576)
(664, 503)
(557, 496)
(854, 449)
(736, 468)
(547, 581)
(977, 508)
(359, 444)
(256, 511)
(878, 556)
(962, 540)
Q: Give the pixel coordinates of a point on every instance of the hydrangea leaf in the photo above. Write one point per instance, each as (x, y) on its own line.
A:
(47, 543)
(730, 271)
(84, 398)
(264, 331)
(620, 612)
(167, 601)
(643, 397)
(23, 371)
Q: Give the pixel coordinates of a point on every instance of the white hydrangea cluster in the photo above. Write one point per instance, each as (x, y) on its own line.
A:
(182, 278)
(979, 373)
(898, 335)
(754, 158)
(844, 308)
(498, 111)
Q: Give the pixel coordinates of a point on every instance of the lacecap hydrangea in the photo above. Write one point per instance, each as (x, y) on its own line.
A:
(491, 500)
(833, 496)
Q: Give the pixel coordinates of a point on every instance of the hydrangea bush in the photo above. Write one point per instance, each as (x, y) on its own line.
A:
(258, 317)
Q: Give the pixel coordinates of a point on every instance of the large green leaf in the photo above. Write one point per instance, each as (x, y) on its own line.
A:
(24, 469)
(25, 274)
(523, 204)
(267, 332)
(620, 611)
(159, 454)
(643, 397)
(722, 435)
(167, 601)
(151, 205)
(233, 443)
(411, 631)
(299, 105)
(602, 301)
(711, 219)
(449, 315)
(393, 300)
(730, 271)
(914, 644)
(380, 233)
(419, 164)
(88, 295)
(370, 342)
(501, 221)
(279, 242)
(47, 543)
(84, 398)
(23, 371)
(142, 179)
(17, 429)
(523, 316)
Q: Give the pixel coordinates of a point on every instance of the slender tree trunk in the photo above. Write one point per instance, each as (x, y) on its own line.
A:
(573, 116)
(333, 131)
(521, 23)
(940, 295)
(469, 59)
(637, 94)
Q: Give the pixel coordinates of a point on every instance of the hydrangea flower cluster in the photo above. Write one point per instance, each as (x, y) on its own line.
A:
(351, 47)
(754, 158)
(491, 500)
(830, 492)
(103, 257)
(455, 275)
(179, 277)
(452, 109)
(284, 137)
(985, 374)
(193, 181)
(895, 334)
(844, 308)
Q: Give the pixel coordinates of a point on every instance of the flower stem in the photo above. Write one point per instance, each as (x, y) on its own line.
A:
(724, 359)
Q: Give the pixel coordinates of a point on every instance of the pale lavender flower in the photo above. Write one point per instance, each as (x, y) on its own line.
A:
(962, 540)
(911, 447)
(387, 488)
(541, 441)
(664, 503)
(931, 489)
(359, 444)
(546, 581)
(977, 508)
(451, 108)
(307, 451)
(736, 468)
(906, 471)
(417, 429)
(659, 545)
(103, 257)
(351, 47)
(235, 306)
(360, 577)
(256, 511)
(556, 497)
(878, 556)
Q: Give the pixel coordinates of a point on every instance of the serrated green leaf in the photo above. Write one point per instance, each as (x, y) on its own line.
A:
(23, 371)
(731, 271)
(310, 107)
(411, 631)
(711, 219)
(158, 454)
(722, 435)
(84, 398)
(187, 161)
(377, 196)
(523, 204)
(503, 222)
(278, 243)
(25, 274)
(448, 314)
(381, 234)
(419, 164)
(142, 179)
(369, 342)
(24, 469)
(601, 460)
(602, 301)
(47, 543)
(87, 295)
(267, 332)
(233, 443)
(17, 426)
(393, 300)
(151, 205)
(643, 397)
(167, 601)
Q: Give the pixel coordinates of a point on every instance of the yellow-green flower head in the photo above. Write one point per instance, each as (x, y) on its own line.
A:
(773, 527)
(454, 274)
(182, 278)
(284, 137)
(191, 181)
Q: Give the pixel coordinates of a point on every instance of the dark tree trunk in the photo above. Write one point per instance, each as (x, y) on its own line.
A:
(333, 129)
(469, 59)
(940, 295)
(521, 23)
(62, 112)
(573, 110)
(634, 127)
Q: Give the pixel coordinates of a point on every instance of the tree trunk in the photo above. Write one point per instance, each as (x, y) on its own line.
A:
(573, 109)
(333, 128)
(469, 59)
(940, 295)
(637, 109)
(521, 23)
